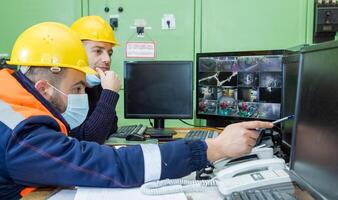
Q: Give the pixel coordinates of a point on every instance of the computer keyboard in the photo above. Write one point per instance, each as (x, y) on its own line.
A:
(200, 134)
(282, 192)
(124, 131)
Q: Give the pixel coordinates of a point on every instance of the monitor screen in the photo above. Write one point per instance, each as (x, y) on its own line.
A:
(315, 141)
(239, 85)
(158, 89)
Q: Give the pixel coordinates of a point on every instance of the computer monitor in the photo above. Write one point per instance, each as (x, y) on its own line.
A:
(239, 85)
(158, 90)
(315, 140)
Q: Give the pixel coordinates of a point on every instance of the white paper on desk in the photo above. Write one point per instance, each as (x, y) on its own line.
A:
(86, 193)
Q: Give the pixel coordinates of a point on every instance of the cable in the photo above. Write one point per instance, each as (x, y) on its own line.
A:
(169, 186)
(184, 122)
(151, 123)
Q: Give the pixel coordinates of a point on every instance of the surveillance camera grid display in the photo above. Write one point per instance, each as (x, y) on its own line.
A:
(240, 86)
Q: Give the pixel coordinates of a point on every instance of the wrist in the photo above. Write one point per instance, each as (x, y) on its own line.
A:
(214, 151)
(109, 88)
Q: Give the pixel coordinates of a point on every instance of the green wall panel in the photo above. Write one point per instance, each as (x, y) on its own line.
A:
(177, 44)
(18, 15)
(249, 25)
(171, 44)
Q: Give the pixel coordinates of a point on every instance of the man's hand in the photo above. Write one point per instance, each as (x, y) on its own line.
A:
(235, 140)
(109, 80)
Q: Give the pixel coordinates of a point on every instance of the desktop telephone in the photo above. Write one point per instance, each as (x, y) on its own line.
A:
(229, 178)
(251, 174)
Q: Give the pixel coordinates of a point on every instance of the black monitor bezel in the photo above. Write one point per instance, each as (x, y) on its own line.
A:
(233, 53)
(159, 116)
(287, 63)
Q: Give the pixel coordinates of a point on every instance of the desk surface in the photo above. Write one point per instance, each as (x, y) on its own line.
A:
(41, 194)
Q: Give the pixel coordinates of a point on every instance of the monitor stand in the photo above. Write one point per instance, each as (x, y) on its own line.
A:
(159, 131)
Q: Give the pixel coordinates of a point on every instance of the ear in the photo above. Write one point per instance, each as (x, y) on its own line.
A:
(44, 89)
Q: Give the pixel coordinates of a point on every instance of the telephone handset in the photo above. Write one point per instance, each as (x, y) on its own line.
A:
(251, 174)
(256, 153)
(250, 166)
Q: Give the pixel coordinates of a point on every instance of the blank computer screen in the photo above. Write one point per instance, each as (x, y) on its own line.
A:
(316, 132)
(158, 89)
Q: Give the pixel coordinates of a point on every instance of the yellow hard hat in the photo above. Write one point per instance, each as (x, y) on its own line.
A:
(50, 44)
(94, 28)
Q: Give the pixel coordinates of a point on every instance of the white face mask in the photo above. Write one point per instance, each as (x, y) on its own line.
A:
(92, 80)
(77, 108)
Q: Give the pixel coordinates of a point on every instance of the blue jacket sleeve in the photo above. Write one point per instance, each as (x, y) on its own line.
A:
(101, 122)
(37, 155)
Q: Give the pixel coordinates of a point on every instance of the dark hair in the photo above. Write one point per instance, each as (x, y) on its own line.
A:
(52, 75)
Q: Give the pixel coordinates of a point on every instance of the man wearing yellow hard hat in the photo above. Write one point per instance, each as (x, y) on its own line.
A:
(38, 101)
(102, 88)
